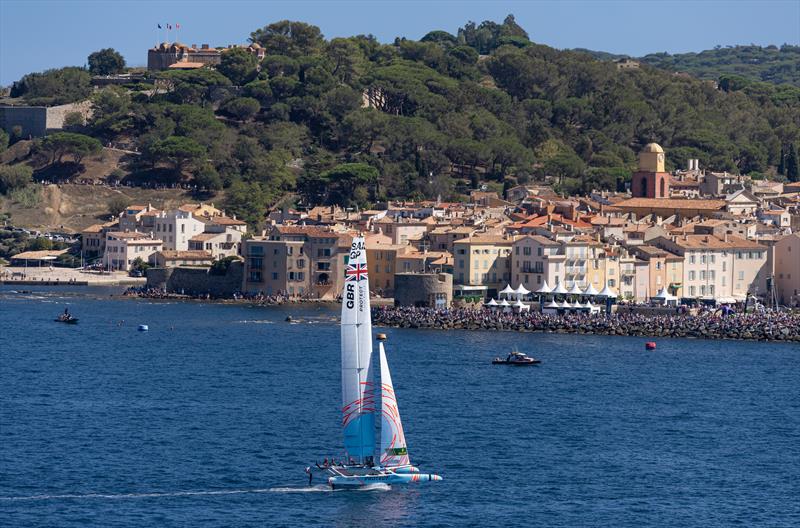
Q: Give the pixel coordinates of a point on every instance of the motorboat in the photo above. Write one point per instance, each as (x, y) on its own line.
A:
(516, 358)
(67, 319)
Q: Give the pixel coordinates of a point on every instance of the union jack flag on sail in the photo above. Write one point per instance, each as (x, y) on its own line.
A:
(356, 272)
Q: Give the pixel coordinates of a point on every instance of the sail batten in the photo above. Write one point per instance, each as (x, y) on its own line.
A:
(358, 392)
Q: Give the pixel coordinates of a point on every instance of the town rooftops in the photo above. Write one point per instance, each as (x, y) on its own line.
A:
(712, 242)
(206, 236)
(540, 239)
(670, 203)
(226, 220)
(485, 239)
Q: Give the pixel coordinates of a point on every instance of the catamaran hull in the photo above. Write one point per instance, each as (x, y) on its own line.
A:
(361, 481)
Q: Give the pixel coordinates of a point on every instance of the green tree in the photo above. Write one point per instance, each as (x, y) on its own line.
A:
(208, 178)
(107, 61)
(41, 244)
(117, 204)
(286, 37)
(349, 183)
(54, 87)
(4, 139)
(179, 151)
(61, 144)
(238, 65)
(242, 108)
(792, 168)
(14, 177)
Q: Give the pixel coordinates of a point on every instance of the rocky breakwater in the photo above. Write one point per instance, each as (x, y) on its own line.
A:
(763, 326)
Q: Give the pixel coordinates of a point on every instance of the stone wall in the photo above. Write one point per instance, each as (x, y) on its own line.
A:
(423, 289)
(197, 281)
(32, 120)
(57, 114)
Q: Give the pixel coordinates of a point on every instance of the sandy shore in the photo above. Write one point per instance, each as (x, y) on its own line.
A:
(11, 275)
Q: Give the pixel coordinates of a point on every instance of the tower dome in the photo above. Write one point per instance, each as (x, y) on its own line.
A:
(653, 147)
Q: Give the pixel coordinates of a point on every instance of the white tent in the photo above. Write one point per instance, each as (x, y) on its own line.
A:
(575, 290)
(592, 308)
(504, 303)
(492, 302)
(544, 289)
(552, 305)
(559, 289)
(521, 306)
(522, 290)
(590, 290)
(507, 290)
(607, 292)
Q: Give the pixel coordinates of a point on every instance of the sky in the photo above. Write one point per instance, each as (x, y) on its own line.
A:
(40, 34)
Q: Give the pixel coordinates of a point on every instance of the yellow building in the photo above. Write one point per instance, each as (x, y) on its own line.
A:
(483, 260)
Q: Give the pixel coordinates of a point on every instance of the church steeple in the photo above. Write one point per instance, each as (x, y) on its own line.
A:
(651, 180)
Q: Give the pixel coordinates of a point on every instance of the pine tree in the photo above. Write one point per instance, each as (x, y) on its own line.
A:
(782, 161)
(792, 169)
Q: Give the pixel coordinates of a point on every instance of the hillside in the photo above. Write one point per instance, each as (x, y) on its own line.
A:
(771, 64)
(755, 63)
(351, 121)
(72, 207)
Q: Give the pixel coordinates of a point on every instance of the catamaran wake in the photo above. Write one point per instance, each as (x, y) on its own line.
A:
(117, 496)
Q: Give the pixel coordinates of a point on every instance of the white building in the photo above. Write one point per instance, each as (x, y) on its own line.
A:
(175, 228)
(124, 247)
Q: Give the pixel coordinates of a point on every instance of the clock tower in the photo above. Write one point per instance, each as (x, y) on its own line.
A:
(651, 180)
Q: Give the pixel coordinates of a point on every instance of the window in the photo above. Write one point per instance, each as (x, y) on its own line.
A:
(460, 277)
(183, 228)
(539, 251)
(256, 263)
(526, 251)
(741, 275)
(460, 263)
(255, 276)
(691, 291)
(711, 289)
(612, 282)
(691, 258)
(485, 264)
(711, 275)
(289, 250)
(702, 259)
(703, 289)
(702, 275)
(476, 265)
(691, 275)
(274, 276)
(658, 265)
(516, 250)
(256, 250)
(711, 258)
(301, 263)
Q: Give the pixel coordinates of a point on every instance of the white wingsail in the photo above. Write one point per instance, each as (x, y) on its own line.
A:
(358, 395)
(394, 451)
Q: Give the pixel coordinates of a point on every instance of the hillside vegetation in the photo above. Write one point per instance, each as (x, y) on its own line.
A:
(446, 114)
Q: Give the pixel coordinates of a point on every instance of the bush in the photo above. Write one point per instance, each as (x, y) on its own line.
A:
(28, 196)
(14, 177)
(117, 204)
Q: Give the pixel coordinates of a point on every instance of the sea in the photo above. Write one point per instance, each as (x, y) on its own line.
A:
(210, 417)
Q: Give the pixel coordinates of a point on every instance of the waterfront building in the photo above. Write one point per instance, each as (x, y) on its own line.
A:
(741, 203)
(664, 270)
(787, 270)
(176, 227)
(483, 261)
(724, 269)
(124, 247)
(296, 261)
(93, 238)
(536, 259)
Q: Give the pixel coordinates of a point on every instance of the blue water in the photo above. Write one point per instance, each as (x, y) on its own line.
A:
(210, 417)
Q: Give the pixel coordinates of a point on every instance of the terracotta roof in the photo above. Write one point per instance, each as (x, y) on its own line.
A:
(185, 255)
(206, 236)
(226, 220)
(127, 235)
(670, 203)
(485, 239)
(48, 254)
(712, 242)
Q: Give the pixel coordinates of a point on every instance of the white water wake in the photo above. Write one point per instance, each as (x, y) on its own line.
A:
(116, 496)
(132, 495)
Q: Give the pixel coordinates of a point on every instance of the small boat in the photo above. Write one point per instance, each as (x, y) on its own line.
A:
(516, 358)
(67, 319)
(650, 345)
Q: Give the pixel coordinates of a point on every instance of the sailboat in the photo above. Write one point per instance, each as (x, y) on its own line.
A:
(362, 465)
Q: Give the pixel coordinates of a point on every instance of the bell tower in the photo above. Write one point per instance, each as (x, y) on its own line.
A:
(651, 180)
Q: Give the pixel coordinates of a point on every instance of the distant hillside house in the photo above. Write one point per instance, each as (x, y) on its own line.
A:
(177, 56)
